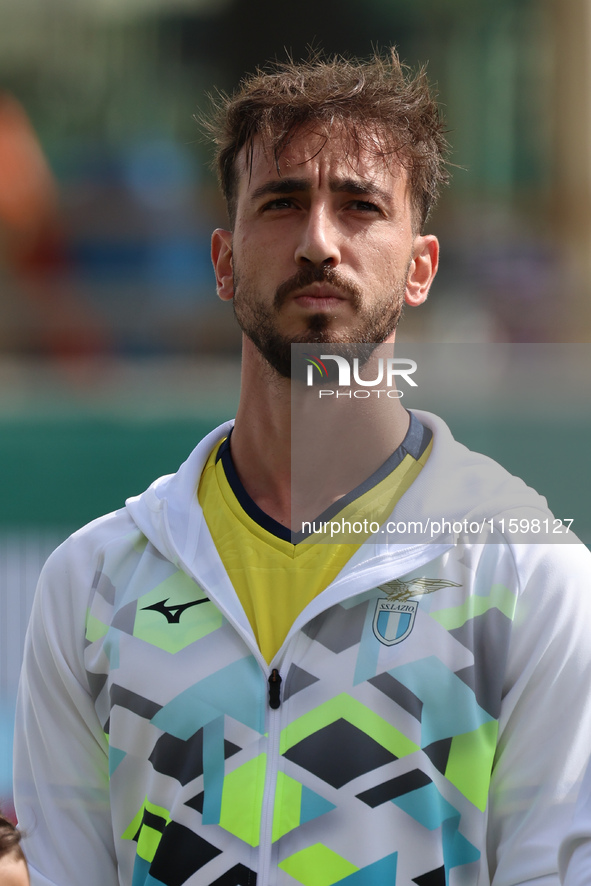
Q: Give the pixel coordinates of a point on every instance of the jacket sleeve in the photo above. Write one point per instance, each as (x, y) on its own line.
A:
(61, 763)
(545, 723)
(574, 858)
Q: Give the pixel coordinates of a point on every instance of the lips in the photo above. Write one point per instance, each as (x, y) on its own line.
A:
(317, 287)
(319, 295)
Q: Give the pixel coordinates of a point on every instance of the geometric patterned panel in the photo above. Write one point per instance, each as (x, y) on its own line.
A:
(432, 878)
(438, 753)
(338, 629)
(449, 706)
(343, 732)
(339, 753)
(427, 806)
(180, 853)
(134, 702)
(296, 680)
(499, 597)
(95, 629)
(347, 708)
(229, 691)
(399, 694)
(183, 760)
(317, 865)
(239, 875)
(115, 758)
(167, 852)
(141, 872)
(242, 800)
(295, 805)
(486, 680)
(96, 683)
(470, 762)
(379, 873)
(146, 829)
(456, 849)
(104, 587)
(196, 802)
(124, 618)
(395, 787)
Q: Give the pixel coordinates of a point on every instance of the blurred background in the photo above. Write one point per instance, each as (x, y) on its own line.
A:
(115, 355)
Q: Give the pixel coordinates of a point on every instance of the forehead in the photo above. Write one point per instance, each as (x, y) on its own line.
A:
(314, 156)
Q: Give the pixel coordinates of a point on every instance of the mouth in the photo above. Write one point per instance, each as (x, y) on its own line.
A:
(319, 296)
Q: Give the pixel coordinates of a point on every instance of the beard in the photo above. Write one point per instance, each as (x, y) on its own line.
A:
(373, 324)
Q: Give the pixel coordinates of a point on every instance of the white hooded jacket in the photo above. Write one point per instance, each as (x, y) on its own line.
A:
(431, 724)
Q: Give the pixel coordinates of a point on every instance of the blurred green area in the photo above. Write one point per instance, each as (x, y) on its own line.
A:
(73, 448)
(66, 472)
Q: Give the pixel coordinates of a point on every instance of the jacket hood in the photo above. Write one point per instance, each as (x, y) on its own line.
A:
(456, 485)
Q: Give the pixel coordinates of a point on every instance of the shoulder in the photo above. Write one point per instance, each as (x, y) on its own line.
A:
(564, 567)
(79, 554)
(69, 578)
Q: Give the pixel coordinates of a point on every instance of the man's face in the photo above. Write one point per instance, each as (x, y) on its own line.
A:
(323, 248)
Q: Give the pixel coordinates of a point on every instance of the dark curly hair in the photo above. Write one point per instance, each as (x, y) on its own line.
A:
(379, 104)
(10, 840)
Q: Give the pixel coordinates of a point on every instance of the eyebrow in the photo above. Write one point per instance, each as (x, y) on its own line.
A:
(284, 186)
(280, 186)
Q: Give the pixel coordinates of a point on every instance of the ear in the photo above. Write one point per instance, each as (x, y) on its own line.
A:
(422, 270)
(221, 256)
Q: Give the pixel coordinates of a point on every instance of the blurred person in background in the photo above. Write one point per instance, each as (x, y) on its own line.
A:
(206, 699)
(13, 865)
(33, 246)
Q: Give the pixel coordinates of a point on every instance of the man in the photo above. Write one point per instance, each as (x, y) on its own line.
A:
(205, 702)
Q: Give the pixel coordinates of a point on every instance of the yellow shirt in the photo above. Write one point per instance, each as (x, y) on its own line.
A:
(274, 578)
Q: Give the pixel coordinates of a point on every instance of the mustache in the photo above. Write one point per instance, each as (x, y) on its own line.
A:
(314, 274)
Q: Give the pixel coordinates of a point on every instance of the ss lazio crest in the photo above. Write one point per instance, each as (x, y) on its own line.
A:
(394, 620)
(395, 614)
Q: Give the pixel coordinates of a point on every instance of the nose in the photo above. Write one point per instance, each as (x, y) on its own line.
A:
(318, 244)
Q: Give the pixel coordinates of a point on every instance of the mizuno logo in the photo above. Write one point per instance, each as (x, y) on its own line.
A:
(173, 613)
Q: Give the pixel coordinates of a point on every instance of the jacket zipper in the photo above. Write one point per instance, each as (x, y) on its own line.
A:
(275, 689)
(273, 749)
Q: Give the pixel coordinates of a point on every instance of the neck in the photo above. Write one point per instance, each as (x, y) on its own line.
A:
(287, 438)
(261, 440)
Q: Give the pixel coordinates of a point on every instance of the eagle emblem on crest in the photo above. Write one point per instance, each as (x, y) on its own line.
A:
(404, 590)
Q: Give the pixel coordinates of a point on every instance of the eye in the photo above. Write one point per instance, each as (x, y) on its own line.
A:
(279, 203)
(364, 206)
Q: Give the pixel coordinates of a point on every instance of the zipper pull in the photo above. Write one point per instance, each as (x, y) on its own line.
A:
(274, 689)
